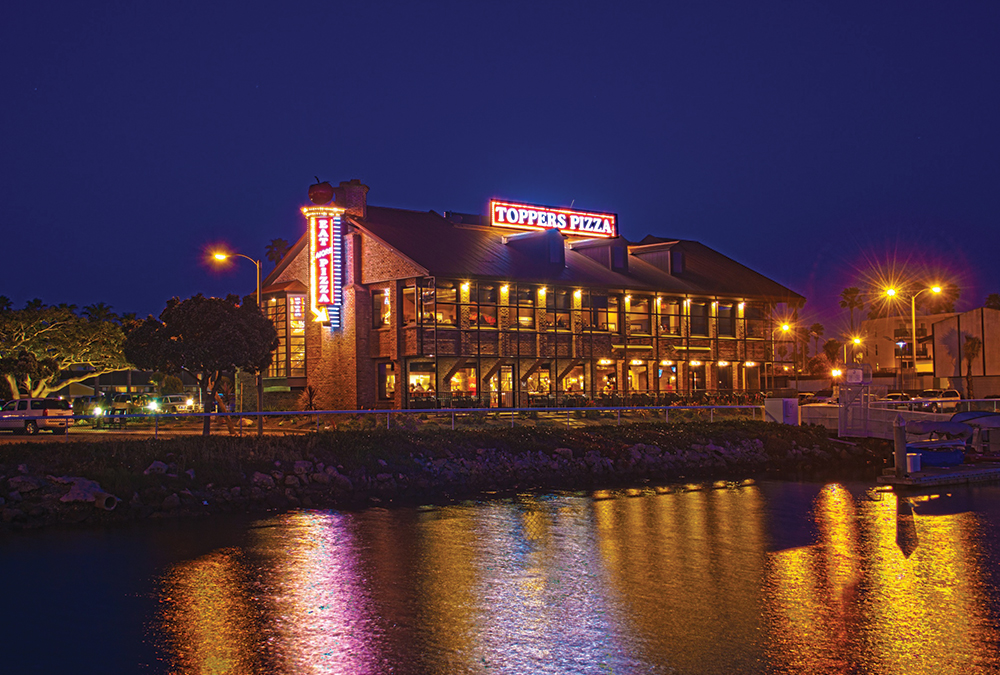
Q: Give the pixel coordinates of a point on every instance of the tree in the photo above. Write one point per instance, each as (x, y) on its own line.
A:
(277, 250)
(993, 301)
(206, 337)
(66, 347)
(831, 349)
(850, 299)
(970, 351)
(816, 331)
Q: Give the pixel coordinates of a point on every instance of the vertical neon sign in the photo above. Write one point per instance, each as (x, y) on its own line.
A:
(325, 264)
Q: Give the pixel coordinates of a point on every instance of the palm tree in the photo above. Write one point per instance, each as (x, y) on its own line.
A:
(850, 300)
(99, 312)
(276, 250)
(831, 349)
(816, 331)
(970, 350)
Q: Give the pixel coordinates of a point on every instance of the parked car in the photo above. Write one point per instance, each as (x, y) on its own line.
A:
(31, 415)
(126, 404)
(174, 403)
(938, 400)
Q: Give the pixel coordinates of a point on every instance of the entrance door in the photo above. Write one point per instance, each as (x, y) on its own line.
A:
(506, 387)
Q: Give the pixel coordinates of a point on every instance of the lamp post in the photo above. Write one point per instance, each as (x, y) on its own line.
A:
(891, 292)
(857, 343)
(222, 256)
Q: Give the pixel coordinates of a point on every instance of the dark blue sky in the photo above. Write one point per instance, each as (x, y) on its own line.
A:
(808, 140)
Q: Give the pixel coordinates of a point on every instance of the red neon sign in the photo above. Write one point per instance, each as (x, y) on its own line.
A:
(324, 263)
(531, 217)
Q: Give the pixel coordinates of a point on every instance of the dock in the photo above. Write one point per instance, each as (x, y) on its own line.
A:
(980, 472)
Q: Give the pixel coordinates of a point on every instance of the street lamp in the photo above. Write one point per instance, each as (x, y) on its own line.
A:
(221, 256)
(891, 292)
(857, 343)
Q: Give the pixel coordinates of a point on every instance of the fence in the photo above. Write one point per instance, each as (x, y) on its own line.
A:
(308, 421)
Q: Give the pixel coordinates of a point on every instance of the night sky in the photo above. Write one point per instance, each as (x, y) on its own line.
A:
(814, 142)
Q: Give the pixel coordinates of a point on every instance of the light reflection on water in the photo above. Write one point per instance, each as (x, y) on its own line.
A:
(682, 582)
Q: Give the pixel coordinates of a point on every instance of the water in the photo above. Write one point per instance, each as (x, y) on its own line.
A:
(771, 578)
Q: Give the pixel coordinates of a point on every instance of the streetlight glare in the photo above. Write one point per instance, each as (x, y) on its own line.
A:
(891, 292)
(835, 372)
(220, 256)
(785, 327)
(936, 289)
(857, 340)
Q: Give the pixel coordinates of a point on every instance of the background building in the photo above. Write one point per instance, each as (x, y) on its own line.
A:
(385, 307)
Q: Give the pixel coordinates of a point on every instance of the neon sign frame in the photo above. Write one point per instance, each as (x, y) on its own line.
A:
(325, 263)
(568, 221)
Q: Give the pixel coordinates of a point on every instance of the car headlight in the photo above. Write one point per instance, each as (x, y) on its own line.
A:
(98, 411)
(152, 406)
(190, 401)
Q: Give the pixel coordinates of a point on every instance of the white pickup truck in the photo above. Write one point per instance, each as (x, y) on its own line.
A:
(937, 400)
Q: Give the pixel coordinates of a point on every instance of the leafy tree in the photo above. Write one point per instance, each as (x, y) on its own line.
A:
(850, 299)
(65, 347)
(832, 349)
(816, 331)
(172, 385)
(206, 337)
(970, 351)
(993, 301)
(276, 250)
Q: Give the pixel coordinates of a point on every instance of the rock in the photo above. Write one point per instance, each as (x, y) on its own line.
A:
(135, 502)
(82, 490)
(382, 463)
(171, 502)
(24, 483)
(303, 467)
(565, 453)
(157, 467)
(23, 468)
(383, 477)
(343, 483)
(14, 496)
(291, 481)
(321, 478)
(189, 473)
(262, 480)
(236, 492)
(330, 470)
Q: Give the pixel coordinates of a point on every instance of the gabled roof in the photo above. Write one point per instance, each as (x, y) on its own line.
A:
(460, 250)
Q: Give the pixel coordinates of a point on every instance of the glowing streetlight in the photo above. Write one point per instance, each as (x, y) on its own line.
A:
(222, 256)
(891, 292)
(836, 372)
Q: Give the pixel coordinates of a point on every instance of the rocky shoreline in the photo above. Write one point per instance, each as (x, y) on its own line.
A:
(80, 484)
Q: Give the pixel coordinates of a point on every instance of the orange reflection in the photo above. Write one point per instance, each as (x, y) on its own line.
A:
(209, 617)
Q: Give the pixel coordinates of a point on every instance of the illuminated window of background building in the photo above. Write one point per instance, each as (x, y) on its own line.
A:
(277, 311)
(668, 377)
(595, 314)
(485, 315)
(464, 381)
(557, 306)
(574, 381)
(638, 314)
(296, 336)
(726, 320)
(525, 307)
(696, 376)
(699, 318)
(427, 297)
(638, 376)
(607, 377)
(420, 379)
(380, 309)
(539, 382)
(447, 303)
(670, 316)
(724, 376)
(614, 304)
(753, 316)
(752, 375)
(408, 305)
(386, 381)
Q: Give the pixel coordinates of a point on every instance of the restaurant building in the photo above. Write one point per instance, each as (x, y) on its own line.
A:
(526, 306)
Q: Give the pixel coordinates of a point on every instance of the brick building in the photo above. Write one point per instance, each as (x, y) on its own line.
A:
(384, 307)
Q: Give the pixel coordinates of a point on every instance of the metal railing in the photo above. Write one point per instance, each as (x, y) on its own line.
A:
(306, 421)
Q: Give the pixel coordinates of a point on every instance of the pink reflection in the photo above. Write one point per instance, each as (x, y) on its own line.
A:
(321, 611)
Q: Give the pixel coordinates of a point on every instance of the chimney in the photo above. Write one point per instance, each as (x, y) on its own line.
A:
(352, 196)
